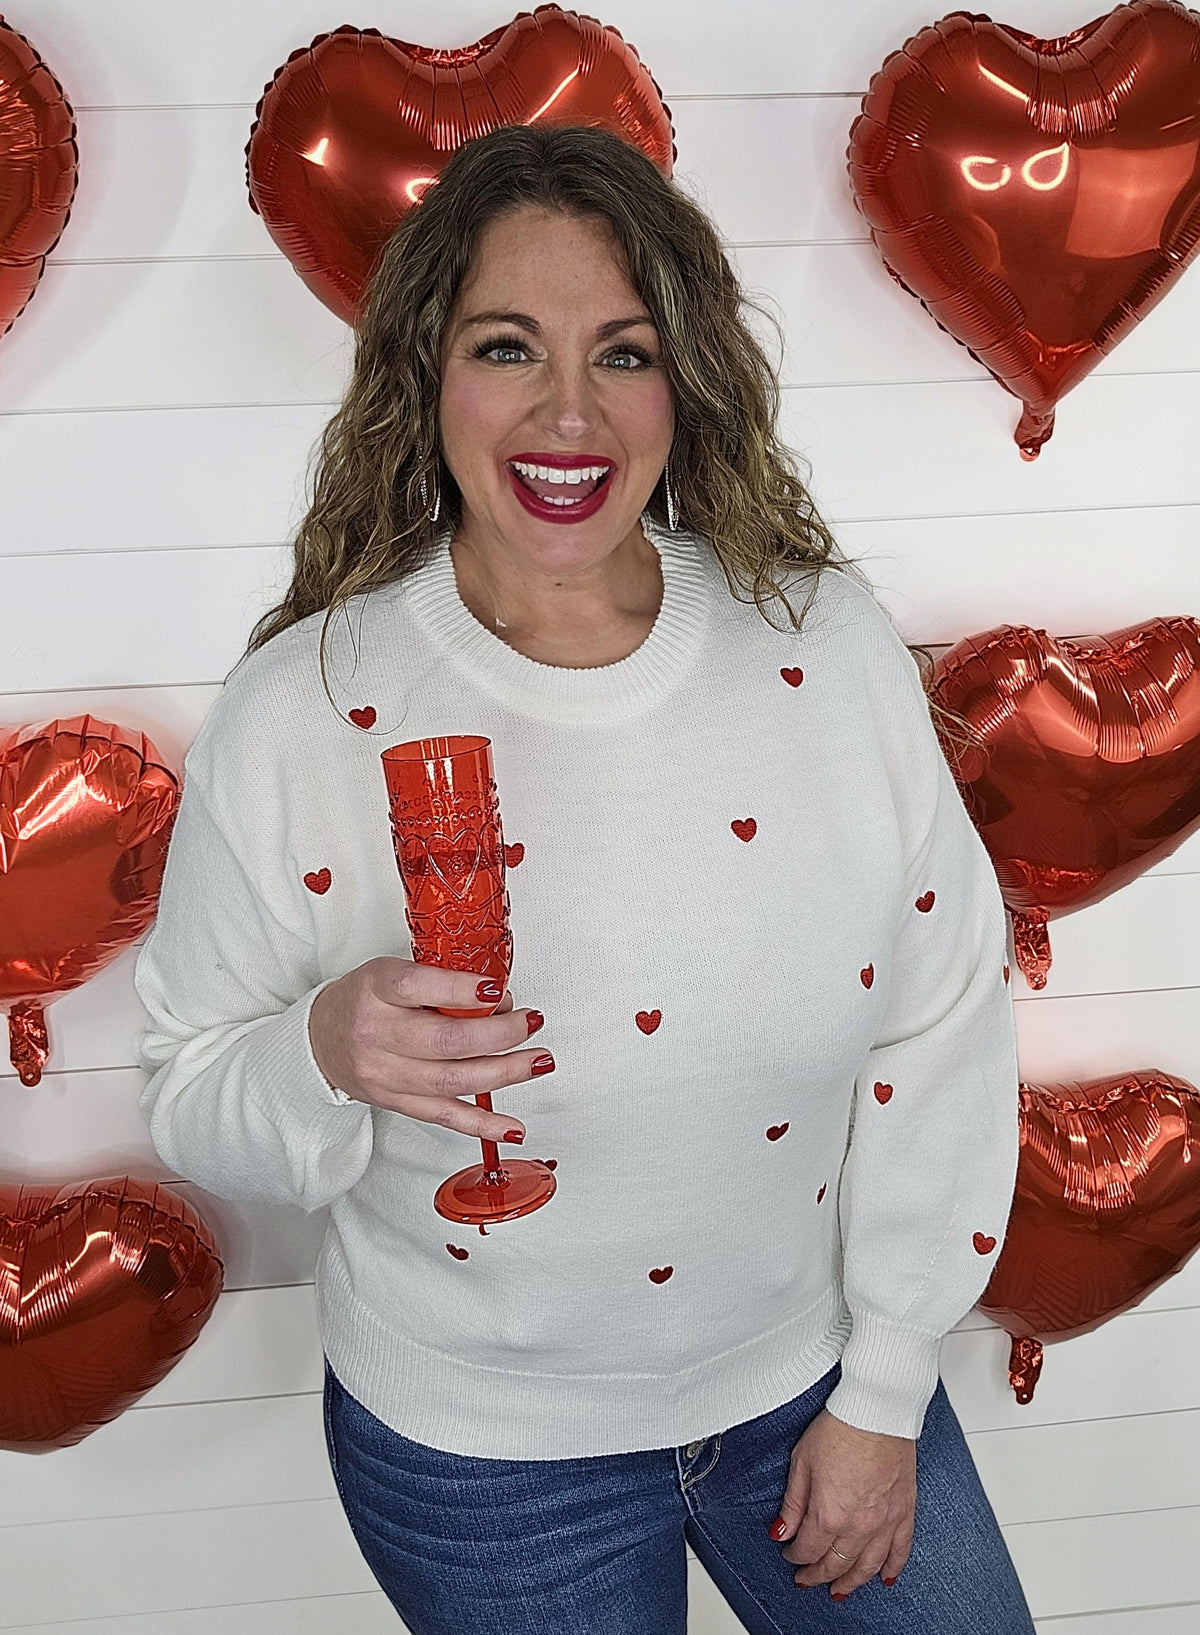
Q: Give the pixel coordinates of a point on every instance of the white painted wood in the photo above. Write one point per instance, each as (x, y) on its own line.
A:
(114, 56)
(1102, 1563)
(1175, 1620)
(184, 617)
(963, 533)
(361, 1612)
(1139, 1362)
(136, 1563)
(134, 335)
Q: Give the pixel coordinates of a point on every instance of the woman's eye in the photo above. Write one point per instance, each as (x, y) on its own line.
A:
(639, 359)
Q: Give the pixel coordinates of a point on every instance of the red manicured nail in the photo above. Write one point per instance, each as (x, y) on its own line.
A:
(533, 1021)
(543, 1063)
(835, 1596)
(514, 1135)
(488, 989)
(890, 1581)
(778, 1527)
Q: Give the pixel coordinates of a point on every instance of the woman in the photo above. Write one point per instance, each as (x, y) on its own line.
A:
(782, 1091)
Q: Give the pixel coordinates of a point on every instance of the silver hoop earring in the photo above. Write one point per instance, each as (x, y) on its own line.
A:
(437, 497)
(672, 502)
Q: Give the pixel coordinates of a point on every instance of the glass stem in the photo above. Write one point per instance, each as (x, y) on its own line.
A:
(492, 1167)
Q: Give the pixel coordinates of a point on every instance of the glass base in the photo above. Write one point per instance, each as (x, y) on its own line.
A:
(477, 1196)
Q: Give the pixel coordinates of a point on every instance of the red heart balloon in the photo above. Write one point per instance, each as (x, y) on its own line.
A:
(352, 129)
(1085, 766)
(1037, 196)
(39, 164)
(1106, 1206)
(103, 1287)
(86, 810)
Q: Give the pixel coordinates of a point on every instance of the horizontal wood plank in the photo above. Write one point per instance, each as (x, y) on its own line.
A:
(789, 48)
(136, 335)
(361, 1612)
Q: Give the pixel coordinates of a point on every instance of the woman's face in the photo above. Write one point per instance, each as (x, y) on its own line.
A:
(551, 361)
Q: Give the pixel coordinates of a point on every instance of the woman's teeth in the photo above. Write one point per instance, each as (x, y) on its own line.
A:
(559, 474)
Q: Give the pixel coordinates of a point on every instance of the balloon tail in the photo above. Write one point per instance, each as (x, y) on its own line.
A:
(28, 1041)
(1024, 1366)
(1034, 428)
(1031, 943)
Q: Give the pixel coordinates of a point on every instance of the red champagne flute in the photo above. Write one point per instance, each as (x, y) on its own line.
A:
(445, 816)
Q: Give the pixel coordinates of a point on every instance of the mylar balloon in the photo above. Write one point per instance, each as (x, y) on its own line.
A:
(103, 1286)
(38, 169)
(1107, 1205)
(1037, 196)
(1085, 766)
(352, 129)
(86, 810)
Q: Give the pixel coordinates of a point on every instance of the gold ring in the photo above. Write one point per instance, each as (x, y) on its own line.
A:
(837, 1552)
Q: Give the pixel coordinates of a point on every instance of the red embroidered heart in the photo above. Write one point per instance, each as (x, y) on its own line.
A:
(660, 1274)
(550, 1163)
(867, 975)
(1037, 196)
(513, 854)
(776, 1130)
(38, 169)
(103, 1287)
(1006, 973)
(821, 1194)
(1086, 769)
(648, 1020)
(86, 811)
(792, 677)
(352, 130)
(983, 1246)
(319, 882)
(924, 903)
(364, 718)
(744, 828)
(883, 1093)
(459, 1254)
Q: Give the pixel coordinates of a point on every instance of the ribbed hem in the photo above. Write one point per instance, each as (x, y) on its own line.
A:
(889, 1373)
(551, 692)
(330, 1132)
(492, 1413)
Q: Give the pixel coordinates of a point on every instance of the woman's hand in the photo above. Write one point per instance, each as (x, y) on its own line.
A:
(856, 1489)
(376, 1035)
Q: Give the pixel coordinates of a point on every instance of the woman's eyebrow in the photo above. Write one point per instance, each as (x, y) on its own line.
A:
(523, 321)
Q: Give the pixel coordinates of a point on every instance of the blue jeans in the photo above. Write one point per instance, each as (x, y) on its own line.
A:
(596, 1545)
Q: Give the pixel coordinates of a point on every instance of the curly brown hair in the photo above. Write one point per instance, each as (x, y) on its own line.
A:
(737, 483)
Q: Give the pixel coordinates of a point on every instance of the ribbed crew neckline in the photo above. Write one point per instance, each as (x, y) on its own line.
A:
(597, 693)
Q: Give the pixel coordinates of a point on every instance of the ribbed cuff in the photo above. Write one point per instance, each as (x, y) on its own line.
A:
(889, 1373)
(285, 1065)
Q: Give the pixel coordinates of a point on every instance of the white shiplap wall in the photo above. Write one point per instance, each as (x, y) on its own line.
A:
(157, 404)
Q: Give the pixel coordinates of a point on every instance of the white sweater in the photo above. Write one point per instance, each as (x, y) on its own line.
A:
(770, 949)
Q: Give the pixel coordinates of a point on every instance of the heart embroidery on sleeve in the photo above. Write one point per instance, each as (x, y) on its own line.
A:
(983, 1246)
(924, 903)
(792, 677)
(364, 718)
(513, 854)
(648, 1020)
(319, 881)
(660, 1274)
(459, 1254)
(883, 1093)
(867, 975)
(744, 828)
(777, 1130)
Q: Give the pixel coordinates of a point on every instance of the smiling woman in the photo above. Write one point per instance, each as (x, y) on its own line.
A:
(769, 943)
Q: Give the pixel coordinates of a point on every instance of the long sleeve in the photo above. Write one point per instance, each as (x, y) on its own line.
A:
(236, 1101)
(930, 1168)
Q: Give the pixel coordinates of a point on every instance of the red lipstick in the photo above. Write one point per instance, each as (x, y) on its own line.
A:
(578, 510)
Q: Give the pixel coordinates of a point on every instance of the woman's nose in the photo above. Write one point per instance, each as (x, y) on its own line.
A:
(569, 407)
